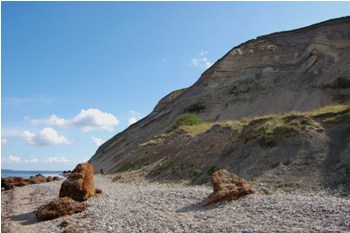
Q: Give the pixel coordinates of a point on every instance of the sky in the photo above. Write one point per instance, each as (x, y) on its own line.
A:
(74, 74)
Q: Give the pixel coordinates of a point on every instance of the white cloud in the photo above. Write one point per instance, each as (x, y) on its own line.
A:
(135, 116)
(52, 120)
(86, 120)
(201, 61)
(11, 159)
(14, 159)
(97, 141)
(132, 120)
(93, 118)
(57, 160)
(46, 137)
(3, 141)
(34, 160)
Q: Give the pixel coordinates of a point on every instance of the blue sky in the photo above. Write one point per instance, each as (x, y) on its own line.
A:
(74, 74)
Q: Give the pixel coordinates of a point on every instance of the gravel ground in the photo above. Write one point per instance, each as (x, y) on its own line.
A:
(162, 208)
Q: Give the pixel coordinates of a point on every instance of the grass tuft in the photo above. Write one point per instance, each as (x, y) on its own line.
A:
(159, 168)
(195, 175)
(187, 119)
(131, 166)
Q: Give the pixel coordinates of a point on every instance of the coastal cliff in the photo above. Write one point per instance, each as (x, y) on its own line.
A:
(283, 81)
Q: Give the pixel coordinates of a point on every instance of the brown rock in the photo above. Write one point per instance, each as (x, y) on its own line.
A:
(37, 179)
(56, 178)
(49, 179)
(66, 223)
(59, 207)
(98, 190)
(227, 187)
(10, 182)
(80, 183)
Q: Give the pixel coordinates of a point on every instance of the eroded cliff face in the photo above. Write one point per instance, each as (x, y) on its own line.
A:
(288, 71)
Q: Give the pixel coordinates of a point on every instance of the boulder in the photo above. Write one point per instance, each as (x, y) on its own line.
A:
(49, 179)
(80, 183)
(59, 207)
(37, 179)
(56, 178)
(10, 182)
(227, 187)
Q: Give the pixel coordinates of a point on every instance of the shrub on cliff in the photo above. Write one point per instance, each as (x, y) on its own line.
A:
(187, 119)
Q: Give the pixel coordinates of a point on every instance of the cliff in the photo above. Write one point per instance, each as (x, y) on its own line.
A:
(299, 70)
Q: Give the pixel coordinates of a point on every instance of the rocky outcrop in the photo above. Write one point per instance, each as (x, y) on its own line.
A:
(227, 187)
(80, 183)
(59, 207)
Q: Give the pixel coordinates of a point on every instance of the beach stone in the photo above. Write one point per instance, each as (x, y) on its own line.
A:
(66, 223)
(227, 187)
(10, 182)
(56, 178)
(37, 179)
(59, 207)
(80, 183)
(49, 179)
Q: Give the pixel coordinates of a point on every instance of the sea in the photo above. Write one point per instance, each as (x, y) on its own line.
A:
(26, 174)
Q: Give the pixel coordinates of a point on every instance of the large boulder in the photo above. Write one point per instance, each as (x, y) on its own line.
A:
(59, 207)
(80, 183)
(227, 187)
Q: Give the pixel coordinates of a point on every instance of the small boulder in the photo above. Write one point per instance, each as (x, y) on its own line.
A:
(98, 190)
(59, 207)
(227, 187)
(49, 179)
(37, 179)
(56, 178)
(66, 223)
(80, 183)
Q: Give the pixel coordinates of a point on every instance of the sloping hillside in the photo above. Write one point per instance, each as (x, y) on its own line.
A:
(297, 70)
(309, 149)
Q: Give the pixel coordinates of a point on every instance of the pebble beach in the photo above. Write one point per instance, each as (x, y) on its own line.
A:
(154, 207)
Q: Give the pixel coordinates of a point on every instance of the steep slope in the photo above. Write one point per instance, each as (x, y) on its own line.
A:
(296, 70)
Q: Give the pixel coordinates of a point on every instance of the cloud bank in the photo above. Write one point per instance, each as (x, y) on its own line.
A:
(46, 137)
(16, 159)
(86, 120)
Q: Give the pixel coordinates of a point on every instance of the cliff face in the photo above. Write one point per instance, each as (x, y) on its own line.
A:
(297, 70)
